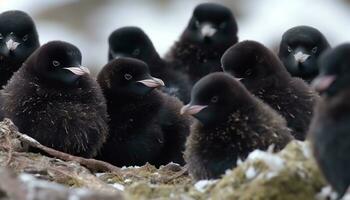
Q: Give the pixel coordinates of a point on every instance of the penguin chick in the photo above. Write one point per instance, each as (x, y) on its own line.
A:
(53, 99)
(329, 131)
(299, 50)
(263, 75)
(145, 123)
(133, 42)
(18, 40)
(211, 30)
(231, 124)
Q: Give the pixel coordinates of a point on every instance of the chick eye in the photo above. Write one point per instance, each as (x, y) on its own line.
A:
(25, 38)
(289, 49)
(222, 25)
(127, 76)
(248, 72)
(197, 23)
(136, 52)
(314, 50)
(214, 99)
(56, 63)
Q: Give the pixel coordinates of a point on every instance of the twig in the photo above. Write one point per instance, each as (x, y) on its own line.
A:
(178, 174)
(92, 164)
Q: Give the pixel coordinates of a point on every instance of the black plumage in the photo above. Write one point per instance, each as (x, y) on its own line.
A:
(299, 50)
(231, 124)
(211, 30)
(18, 40)
(264, 76)
(133, 42)
(145, 123)
(53, 99)
(330, 128)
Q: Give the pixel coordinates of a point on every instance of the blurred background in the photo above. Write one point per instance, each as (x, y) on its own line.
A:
(88, 23)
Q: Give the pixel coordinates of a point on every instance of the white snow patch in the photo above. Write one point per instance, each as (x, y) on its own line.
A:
(271, 175)
(239, 161)
(327, 193)
(99, 174)
(33, 182)
(127, 180)
(345, 197)
(202, 185)
(305, 147)
(77, 194)
(274, 162)
(250, 173)
(130, 167)
(118, 186)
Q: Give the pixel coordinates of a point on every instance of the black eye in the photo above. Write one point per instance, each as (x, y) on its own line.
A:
(127, 76)
(314, 50)
(197, 23)
(214, 99)
(222, 25)
(56, 63)
(25, 38)
(136, 52)
(248, 72)
(289, 49)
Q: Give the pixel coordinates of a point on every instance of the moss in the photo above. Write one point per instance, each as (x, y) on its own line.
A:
(299, 179)
(149, 191)
(70, 181)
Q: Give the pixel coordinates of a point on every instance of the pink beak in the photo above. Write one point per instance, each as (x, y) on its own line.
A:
(321, 83)
(152, 82)
(192, 109)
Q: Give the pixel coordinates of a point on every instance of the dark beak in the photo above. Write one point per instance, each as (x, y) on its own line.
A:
(322, 83)
(192, 109)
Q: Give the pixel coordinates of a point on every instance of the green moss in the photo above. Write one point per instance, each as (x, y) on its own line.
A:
(149, 191)
(70, 181)
(299, 179)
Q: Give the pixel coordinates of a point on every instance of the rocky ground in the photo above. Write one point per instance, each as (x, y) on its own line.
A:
(291, 174)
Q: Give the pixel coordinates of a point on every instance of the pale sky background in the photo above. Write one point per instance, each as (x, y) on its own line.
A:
(89, 28)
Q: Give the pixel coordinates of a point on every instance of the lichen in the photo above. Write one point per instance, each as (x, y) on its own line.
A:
(298, 179)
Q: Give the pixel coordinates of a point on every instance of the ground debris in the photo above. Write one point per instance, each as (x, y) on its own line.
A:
(290, 174)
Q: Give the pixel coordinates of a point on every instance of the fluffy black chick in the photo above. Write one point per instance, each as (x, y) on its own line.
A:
(329, 131)
(53, 99)
(299, 50)
(264, 76)
(211, 30)
(145, 123)
(133, 42)
(231, 124)
(18, 40)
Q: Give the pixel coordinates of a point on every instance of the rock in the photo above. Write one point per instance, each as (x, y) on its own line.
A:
(26, 186)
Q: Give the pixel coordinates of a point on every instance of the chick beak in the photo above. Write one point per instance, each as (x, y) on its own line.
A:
(152, 82)
(208, 30)
(11, 44)
(321, 83)
(192, 109)
(79, 71)
(301, 57)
